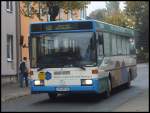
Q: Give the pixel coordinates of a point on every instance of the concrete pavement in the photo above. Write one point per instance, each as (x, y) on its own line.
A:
(139, 103)
(12, 90)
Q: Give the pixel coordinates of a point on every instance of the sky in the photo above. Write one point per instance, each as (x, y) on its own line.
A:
(100, 5)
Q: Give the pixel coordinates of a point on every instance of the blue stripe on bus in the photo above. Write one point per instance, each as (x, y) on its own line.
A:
(96, 87)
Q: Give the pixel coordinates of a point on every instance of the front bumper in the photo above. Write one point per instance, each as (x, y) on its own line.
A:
(99, 85)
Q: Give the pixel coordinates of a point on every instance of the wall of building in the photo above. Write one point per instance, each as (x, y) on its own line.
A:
(25, 22)
(8, 26)
(75, 15)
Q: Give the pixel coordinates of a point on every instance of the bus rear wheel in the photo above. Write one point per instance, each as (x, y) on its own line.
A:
(52, 96)
(128, 84)
(108, 91)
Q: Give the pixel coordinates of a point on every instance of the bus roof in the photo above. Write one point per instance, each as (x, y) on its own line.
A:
(102, 26)
(63, 21)
(99, 26)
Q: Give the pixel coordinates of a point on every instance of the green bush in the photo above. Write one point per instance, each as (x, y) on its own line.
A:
(142, 57)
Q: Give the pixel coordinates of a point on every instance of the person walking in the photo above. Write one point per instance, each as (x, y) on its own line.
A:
(23, 72)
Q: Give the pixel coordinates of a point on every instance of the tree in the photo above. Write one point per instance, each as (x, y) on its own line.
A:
(112, 7)
(113, 15)
(52, 7)
(120, 19)
(98, 14)
(140, 11)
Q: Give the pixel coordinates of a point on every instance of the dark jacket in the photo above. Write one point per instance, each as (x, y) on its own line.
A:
(23, 67)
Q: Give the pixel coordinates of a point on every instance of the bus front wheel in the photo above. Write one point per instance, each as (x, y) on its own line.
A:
(52, 96)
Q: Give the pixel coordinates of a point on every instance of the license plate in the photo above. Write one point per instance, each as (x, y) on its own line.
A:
(62, 89)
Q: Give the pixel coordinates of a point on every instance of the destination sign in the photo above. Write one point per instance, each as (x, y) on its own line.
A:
(41, 27)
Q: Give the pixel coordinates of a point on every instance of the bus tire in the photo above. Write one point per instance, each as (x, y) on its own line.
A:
(52, 96)
(110, 86)
(108, 91)
(128, 85)
(110, 82)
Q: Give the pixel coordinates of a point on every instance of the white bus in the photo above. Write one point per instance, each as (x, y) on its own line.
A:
(80, 57)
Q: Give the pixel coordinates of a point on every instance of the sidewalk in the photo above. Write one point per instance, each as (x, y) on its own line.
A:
(12, 90)
(138, 104)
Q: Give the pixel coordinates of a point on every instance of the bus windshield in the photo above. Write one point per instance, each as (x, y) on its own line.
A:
(63, 50)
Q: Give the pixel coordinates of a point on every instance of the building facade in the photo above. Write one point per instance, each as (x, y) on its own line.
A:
(25, 23)
(72, 14)
(9, 38)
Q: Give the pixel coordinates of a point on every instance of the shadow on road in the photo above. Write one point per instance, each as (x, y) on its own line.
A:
(120, 89)
(73, 98)
(81, 98)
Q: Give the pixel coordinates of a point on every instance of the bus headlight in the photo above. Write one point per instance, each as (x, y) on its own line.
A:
(86, 82)
(38, 82)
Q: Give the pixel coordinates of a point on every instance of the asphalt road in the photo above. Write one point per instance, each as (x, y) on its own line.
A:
(88, 103)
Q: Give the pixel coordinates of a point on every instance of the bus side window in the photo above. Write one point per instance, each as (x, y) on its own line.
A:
(100, 44)
(100, 48)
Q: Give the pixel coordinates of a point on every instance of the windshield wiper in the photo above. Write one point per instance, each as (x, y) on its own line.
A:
(75, 65)
(40, 68)
(80, 66)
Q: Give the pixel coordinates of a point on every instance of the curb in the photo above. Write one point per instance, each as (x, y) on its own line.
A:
(4, 99)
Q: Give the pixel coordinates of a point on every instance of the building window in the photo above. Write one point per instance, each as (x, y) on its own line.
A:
(82, 13)
(41, 11)
(61, 14)
(48, 18)
(9, 6)
(29, 6)
(70, 15)
(9, 47)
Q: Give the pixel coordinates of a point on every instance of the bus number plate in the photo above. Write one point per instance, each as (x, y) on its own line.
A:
(62, 89)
